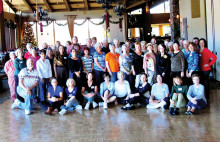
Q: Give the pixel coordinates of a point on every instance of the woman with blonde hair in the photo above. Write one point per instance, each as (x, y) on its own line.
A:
(71, 100)
(178, 95)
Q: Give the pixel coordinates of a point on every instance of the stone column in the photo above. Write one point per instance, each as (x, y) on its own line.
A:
(174, 19)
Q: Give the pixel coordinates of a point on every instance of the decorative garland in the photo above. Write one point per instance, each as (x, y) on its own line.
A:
(10, 24)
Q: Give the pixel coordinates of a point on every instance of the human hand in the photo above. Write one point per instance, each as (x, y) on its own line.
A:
(182, 74)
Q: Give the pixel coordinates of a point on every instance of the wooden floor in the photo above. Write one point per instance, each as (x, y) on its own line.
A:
(111, 125)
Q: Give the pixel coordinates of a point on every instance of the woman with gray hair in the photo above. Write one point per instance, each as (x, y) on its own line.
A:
(117, 48)
(185, 50)
(99, 64)
(144, 47)
(170, 48)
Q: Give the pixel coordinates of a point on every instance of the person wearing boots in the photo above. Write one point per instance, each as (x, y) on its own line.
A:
(55, 97)
(178, 95)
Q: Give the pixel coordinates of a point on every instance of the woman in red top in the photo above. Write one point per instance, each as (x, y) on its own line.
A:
(207, 59)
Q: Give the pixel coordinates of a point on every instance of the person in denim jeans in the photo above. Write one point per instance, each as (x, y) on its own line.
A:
(28, 80)
(71, 99)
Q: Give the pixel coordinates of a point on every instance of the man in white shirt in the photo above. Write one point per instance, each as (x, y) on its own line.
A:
(45, 74)
(28, 80)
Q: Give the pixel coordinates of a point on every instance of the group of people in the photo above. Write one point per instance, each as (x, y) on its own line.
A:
(98, 74)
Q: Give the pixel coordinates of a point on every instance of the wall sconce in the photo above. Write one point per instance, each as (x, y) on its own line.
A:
(177, 16)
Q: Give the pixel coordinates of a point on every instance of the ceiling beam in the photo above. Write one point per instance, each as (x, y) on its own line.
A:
(135, 4)
(10, 6)
(48, 6)
(125, 2)
(67, 5)
(86, 4)
(28, 5)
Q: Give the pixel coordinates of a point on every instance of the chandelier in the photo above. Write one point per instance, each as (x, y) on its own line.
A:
(119, 9)
(106, 3)
(41, 15)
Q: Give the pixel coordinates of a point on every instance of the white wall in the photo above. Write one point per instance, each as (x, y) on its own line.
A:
(217, 31)
(196, 26)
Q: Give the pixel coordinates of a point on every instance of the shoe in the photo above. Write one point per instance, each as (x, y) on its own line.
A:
(94, 104)
(191, 113)
(132, 107)
(105, 105)
(101, 104)
(16, 104)
(150, 106)
(78, 107)
(87, 106)
(49, 111)
(62, 112)
(124, 108)
(27, 112)
(187, 112)
(171, 111)
(176, 111)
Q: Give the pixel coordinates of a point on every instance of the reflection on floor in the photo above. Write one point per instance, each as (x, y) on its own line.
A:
(113, 124)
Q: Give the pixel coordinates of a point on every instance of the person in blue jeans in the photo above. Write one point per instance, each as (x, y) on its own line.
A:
(28, 80)
(71, 100)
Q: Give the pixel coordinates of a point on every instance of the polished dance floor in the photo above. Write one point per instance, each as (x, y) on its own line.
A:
(111, 125)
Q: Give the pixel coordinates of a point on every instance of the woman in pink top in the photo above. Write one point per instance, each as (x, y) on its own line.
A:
(9, 70)
(28, 53)
(34, 56)
(149, 63)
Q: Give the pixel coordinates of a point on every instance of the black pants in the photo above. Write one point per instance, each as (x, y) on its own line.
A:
(56, 105)
(139, 99)
(205, 82)
(62, 76)
(121, 100)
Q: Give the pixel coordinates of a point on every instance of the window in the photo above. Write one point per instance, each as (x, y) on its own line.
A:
(161, 8)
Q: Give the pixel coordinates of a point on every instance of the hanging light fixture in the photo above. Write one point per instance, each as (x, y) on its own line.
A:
(106, 3)
(120, 9)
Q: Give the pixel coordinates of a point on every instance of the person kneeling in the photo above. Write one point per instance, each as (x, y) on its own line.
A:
(141, 95)
(55, 97)
(71, 99)
(107, 89)
(196, 96)
(159, 94)
(28, 80)
(178, 95)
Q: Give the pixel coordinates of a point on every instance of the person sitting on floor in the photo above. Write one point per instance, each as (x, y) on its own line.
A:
(89, 90)
(107, 89)
(159, 94)
(55, 97)
(178, 94)
(141, 94)
(196, 96)
(122, 88)
(71, 99)
(28, 80)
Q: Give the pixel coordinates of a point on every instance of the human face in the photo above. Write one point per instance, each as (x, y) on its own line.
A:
(73, 53)
(196, 41)
(116, 43)
(202, 43)
(90, 76)
(124, 49)
(89, 43)
(61, 49)
(166, 43)
(121, 77)
(137, 47)
(112, 49)
(54, 82)
(75, 40)
(86, 52)
(128, 44)
(181, 42)
(159, 79)
(29, 48)
(98, 48)
(161, 49)
(153, 41)
(176, 47)
(195, 80)
(107, 79)
(191, 48)
(12, 56)
(150, 48)
(143, 78)
(71, 83)
(42, 55)
(143, 46)
(185, 45)
(57, 44)
(105, 43)
(177, 81)
(30, 64)
(20, 53)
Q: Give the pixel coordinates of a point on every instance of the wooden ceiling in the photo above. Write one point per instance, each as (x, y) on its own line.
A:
(29, 6)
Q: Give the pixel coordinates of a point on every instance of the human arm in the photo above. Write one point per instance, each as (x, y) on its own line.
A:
(108, 68)
(213, 57)
(98, 64)
(182, 58)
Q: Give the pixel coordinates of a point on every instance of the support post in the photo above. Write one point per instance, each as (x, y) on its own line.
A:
(174, 19)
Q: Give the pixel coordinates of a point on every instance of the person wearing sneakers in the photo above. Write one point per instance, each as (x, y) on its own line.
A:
(159, 94)
(89, 90)
(71, 99)
(28, 80)
(55, 96)
(107, 91)
(141, 94)
(196, 96)
(178, 95)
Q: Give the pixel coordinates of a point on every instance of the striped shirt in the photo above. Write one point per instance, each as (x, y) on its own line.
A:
(29, 77)
(101, 60)
(87, 63)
